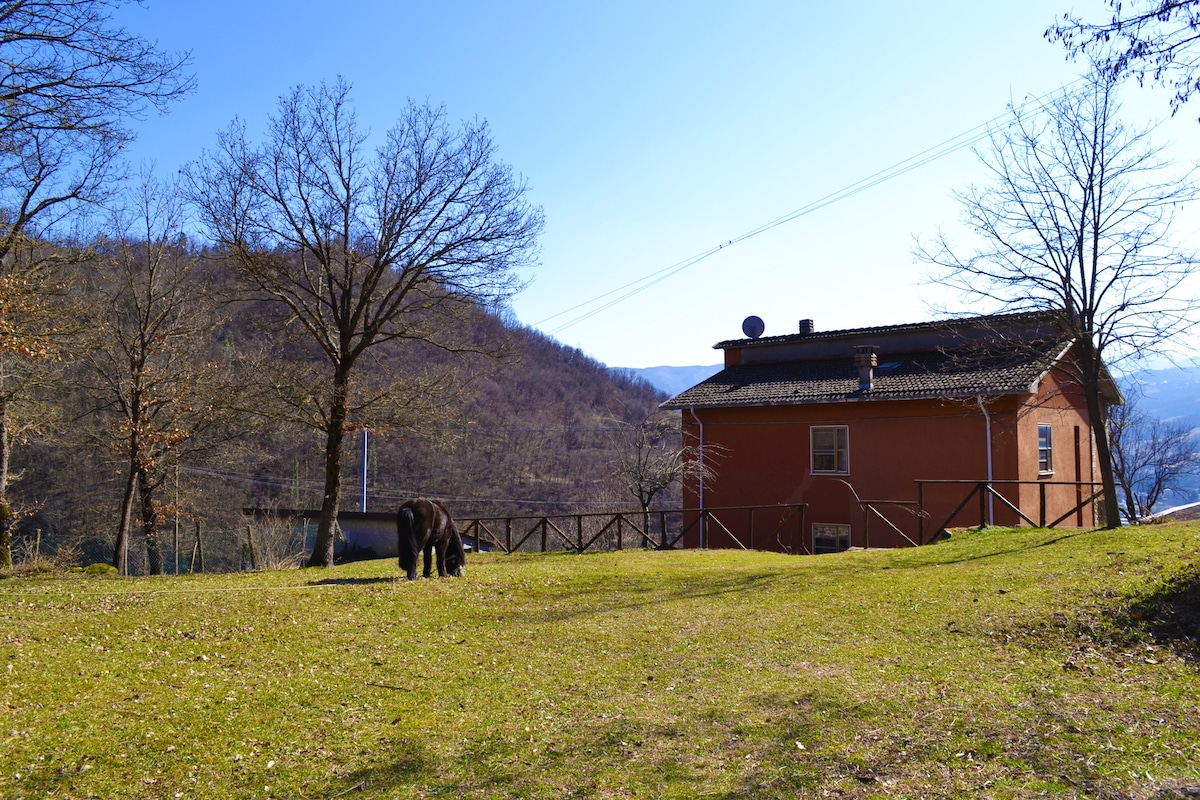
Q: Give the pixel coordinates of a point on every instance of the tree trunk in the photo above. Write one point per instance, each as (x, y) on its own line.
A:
(154, 560)
(1095, 404)
(6, 515)
(1131, 505)
(322, 554)
(121, 546)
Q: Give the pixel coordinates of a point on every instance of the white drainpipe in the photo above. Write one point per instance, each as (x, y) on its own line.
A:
(988, 432)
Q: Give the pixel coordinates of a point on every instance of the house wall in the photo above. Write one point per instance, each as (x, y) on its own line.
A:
(761, 456)
(1061, 406)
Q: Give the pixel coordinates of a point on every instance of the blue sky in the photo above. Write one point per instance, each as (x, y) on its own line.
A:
(652, 132)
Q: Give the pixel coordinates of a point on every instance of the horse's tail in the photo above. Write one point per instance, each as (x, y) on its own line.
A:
(406, 540)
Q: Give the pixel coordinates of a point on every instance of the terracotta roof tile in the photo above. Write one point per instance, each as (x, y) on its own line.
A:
(916, 375)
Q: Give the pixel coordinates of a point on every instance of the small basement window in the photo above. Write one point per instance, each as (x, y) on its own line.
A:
(828, 538)
(831, 449)
(1045, 449)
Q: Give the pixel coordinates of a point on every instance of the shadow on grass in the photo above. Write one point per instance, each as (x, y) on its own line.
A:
(638, 593)
(931, 552)
(1169, 610)
(663, 593)
(352, 581)
(406, 763)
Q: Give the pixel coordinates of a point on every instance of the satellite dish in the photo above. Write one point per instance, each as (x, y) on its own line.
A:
(753, 327)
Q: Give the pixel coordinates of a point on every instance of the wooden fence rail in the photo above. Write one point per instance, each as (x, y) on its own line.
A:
(874, 508)
(986, 490)
(661, 529)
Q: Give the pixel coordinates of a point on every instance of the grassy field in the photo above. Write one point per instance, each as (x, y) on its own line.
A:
(1001, 663)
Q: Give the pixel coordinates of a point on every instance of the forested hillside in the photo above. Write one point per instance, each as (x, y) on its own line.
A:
(507, 421)
(281, 323)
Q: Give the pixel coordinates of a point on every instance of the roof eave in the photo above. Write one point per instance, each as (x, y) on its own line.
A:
(863, 397)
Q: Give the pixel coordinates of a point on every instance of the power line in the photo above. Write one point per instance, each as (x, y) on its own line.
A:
(955, 143)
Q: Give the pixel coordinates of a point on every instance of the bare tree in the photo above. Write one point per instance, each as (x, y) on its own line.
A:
(362, 249)
(1075, 222)
(147, 365)
(1150, 456)
(1157, 40)
(70, 84)
(34, 320)
(650, 458)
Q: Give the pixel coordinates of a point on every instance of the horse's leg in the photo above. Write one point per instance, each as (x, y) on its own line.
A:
(441, 556)
(428, 555)
(449, 545)
(411, 571)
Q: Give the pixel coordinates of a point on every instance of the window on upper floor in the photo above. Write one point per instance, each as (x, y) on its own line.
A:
(830, 447)
(1045, 449)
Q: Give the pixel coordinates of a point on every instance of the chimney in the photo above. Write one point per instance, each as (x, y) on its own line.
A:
(806, 326)
(865, 360)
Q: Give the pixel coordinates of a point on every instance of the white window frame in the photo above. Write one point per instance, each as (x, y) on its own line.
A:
(841, 448)
(838, 532)
(1045, 448)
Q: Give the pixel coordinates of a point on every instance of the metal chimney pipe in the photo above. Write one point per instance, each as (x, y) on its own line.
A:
(866, 361)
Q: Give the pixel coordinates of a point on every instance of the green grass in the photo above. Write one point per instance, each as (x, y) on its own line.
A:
(999, 664)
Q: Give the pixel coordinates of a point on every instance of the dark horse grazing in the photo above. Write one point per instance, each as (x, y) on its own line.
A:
(426, 525)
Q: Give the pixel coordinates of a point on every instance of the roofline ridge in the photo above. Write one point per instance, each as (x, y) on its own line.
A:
(978, 319)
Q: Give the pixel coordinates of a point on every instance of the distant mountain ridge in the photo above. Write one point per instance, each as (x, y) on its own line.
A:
(672, 380)
(1169, 394)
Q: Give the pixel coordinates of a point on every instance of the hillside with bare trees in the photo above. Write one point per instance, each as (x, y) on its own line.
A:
(508, 421)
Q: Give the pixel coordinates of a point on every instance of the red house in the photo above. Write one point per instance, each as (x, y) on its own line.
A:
(882, 437)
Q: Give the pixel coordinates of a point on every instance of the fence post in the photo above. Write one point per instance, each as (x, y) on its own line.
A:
(800, 529)
(662, 528)
(250, 544)
(199, 545)
(984, 488)
(866, 525)
(1041, 505)
(920, 513)
(545, 534)
(508, 534)
(579, 532)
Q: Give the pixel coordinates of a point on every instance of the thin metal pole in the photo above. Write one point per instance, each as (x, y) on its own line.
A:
(176, 518)
(363, 507)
